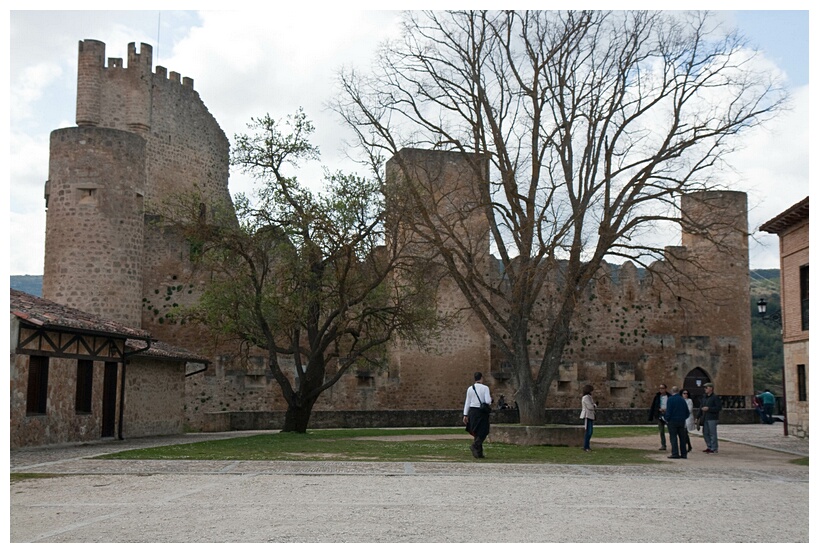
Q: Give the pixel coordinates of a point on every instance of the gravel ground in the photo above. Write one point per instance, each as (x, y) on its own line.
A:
(310, 502)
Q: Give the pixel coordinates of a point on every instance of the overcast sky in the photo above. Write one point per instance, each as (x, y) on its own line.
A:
(247, 63)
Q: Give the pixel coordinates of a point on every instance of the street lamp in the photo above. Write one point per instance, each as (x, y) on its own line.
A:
(762, 308)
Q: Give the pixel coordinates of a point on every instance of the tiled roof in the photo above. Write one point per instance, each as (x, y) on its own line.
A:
(791, 216)
(48, 314)
(162, 350)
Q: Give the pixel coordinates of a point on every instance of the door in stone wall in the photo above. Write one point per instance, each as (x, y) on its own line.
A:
(109, 400)
(695, 384)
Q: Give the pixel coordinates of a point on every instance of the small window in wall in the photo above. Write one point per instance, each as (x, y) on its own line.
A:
(85, 379)
(87, 196)
(37, 393)
(804, 281)
(801, 383)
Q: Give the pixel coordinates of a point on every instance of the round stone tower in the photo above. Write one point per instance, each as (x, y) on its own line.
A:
(95, 222)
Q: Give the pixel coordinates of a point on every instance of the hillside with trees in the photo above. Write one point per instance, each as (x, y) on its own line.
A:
(766, 335)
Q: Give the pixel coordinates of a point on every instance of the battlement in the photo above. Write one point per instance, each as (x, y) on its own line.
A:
(92, 57)
(116, 93)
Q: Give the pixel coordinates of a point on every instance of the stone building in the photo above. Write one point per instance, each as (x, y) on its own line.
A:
(76, 377)
(144, 137)
(792, 226)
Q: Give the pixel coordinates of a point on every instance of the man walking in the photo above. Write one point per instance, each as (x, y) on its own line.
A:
(768, 401)
(709, 412)
(675, 414)
(658, 406)
(476, 416)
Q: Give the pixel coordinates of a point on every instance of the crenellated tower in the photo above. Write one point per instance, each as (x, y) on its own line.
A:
(142, 138)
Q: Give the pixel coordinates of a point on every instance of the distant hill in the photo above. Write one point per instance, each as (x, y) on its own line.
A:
(30, 284)
(764, 283)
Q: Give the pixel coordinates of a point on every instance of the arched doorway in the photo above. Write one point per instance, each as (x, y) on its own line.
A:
(695, 384)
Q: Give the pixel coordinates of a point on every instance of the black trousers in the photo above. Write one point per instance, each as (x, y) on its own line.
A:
(478, 426)
(678, 436)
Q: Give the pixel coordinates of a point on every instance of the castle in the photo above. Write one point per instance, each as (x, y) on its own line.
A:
(143, 136)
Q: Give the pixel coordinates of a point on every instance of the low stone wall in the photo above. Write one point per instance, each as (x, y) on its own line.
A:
(571, 436)
(224, 421)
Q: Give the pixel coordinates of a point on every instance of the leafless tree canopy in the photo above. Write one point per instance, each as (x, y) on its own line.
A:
(594, 123)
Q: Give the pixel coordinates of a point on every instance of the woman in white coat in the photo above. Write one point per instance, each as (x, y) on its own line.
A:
(588, 408)
(689, 422)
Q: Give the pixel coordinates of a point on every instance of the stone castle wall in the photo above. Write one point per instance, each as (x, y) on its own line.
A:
(632, 332)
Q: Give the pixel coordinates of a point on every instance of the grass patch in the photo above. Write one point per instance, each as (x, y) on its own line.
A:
(365, 445)
(802, 461)
(23, 476)
(623, 431)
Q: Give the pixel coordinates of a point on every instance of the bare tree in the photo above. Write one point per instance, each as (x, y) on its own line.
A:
(593, 124)
(307, 277)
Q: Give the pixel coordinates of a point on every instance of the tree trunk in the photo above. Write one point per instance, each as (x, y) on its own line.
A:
(531, 405)
(297, 417)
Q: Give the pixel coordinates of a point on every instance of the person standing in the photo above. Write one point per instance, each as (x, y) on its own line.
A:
(690, 423)
(675, 415)
(658, 406)
(587, 413)
(476, 416)
(709, 411)
(768, 401)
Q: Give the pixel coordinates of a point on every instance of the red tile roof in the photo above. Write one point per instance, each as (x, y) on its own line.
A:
(162, 350)
(48, 314)
(791, 216)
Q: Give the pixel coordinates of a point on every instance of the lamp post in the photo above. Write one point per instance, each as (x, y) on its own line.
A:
(774, 319)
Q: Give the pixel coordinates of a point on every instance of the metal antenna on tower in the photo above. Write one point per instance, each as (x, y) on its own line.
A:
(158, 19)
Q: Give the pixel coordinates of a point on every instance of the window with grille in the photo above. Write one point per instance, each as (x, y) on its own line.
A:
(803, 294)
(85, 380)
(801, 383)
(37, 393)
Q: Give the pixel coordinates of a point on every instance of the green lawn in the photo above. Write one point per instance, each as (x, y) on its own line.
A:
(364, 445)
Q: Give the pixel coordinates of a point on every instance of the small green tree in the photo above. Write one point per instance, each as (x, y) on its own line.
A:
(307, 277)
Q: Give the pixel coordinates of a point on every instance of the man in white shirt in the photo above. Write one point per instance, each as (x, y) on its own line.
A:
(476, 418)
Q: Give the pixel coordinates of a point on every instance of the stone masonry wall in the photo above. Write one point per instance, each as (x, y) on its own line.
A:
(794, 253)
(154, 397)
(94, 228)
(61, 423)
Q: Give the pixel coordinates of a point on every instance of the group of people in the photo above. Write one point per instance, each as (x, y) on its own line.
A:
(673, 410)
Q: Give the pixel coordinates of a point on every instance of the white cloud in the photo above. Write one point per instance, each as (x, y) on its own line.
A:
(29, 87)
(773, 168)
(250, 62)
(29, 172)
(27, 236)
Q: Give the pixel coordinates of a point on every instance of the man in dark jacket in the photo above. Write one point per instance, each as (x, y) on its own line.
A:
(676, 412)
(658, 410)
(709, 412)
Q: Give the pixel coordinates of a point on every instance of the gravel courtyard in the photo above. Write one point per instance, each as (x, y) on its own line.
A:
(709, 498)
